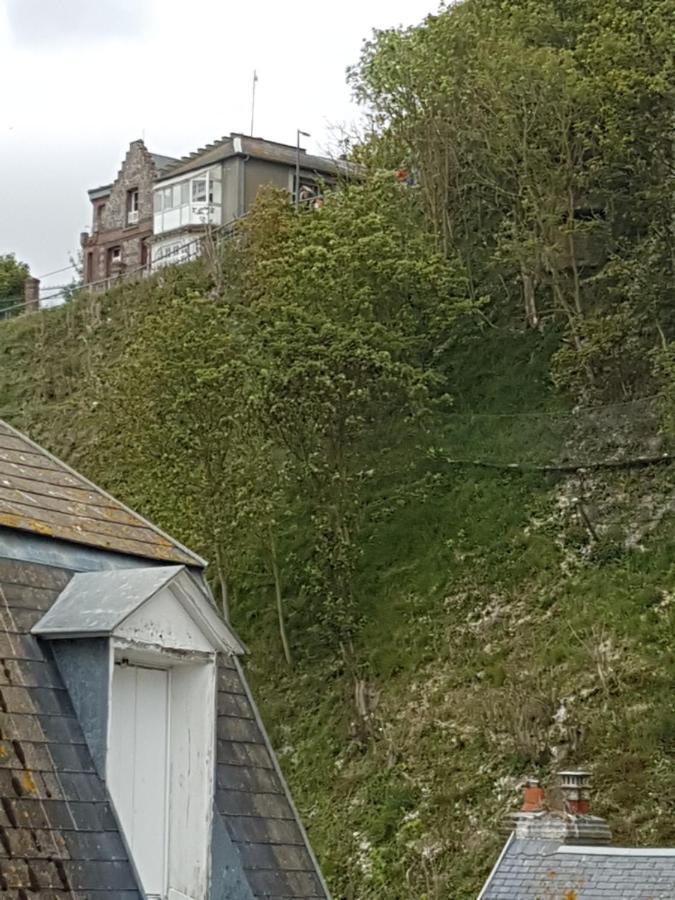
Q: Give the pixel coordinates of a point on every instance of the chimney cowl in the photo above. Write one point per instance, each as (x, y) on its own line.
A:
(575, 788)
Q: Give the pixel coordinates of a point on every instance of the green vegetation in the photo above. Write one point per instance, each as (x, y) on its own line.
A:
(12, 277)
(366, 418)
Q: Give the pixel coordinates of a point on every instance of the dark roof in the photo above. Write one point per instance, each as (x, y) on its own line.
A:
(535, 869)
(98, 192)
(257, 148)
(162, 162)
(59, 838)
(253, 800)
(42, 495)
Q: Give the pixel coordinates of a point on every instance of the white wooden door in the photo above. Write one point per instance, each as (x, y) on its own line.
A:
(138, 767)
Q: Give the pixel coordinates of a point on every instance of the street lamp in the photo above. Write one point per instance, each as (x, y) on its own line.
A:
(297, 165)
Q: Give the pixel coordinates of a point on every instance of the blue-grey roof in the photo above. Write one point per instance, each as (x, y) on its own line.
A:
(95, 603)
(534, 869)
(60, 835)
(61, 838)
(162, 162)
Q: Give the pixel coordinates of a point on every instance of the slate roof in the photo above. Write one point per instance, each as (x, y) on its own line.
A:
(58, 836)
(256, 148)
(59, 839)
(534, 869)
(254, 803)
(41, 494)
(162, 162)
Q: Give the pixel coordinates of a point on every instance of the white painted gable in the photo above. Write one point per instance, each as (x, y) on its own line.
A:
(163, 621)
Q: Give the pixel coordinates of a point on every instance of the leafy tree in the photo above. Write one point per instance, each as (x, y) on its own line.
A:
(348, 308)
(282, 387)
(540, 134)
(12, 277)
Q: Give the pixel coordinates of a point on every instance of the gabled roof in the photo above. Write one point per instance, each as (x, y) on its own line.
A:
(162, 162)
(532, 869)
(42, 495)
(61, 838)
(257, 148)
(95, 604)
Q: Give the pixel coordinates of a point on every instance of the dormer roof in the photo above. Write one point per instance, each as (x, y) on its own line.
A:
(99, 604)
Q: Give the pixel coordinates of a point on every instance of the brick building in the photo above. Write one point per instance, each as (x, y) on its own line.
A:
(122, 219)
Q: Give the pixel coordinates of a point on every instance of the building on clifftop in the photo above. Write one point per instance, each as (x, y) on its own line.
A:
(122, 220)
(216, 185)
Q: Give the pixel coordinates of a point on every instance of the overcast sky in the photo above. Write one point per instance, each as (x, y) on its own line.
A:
(82, 78)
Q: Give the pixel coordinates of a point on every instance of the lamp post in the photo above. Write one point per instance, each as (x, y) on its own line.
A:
(297, 166)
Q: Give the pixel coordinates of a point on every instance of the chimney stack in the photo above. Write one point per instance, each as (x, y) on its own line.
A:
(31, 294)
(570, 825)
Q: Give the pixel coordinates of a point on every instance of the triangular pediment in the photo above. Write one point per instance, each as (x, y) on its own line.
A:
(161, 605)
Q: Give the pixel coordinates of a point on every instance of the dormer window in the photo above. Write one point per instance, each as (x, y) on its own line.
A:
(162, 637)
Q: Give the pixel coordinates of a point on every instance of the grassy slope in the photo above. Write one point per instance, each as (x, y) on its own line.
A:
(498, 640)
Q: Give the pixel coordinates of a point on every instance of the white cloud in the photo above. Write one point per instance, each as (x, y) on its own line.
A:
(48, 22)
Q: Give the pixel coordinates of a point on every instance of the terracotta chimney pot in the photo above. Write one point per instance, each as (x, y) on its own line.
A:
(533, 797)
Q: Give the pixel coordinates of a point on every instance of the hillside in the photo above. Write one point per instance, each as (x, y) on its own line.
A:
(424, 435)
(504, 629)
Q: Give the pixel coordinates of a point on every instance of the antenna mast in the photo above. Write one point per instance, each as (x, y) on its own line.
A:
(255, 81)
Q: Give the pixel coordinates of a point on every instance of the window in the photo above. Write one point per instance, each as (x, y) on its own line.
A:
(132, 206)
(113, 261)
(158, 200)
(168, 198)
(98, 216)
(199, 190)
(185, 193)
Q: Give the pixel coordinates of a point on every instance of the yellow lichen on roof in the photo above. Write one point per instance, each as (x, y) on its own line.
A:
(42, 495)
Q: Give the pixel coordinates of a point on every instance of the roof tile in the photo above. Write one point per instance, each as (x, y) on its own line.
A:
(42, 495)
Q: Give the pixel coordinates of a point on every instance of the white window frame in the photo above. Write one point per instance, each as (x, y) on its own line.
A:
(201, 179)
(119, 660)
(162, 635)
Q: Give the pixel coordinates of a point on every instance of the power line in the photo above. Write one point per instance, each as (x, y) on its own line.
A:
(58, 271)
(638, 462)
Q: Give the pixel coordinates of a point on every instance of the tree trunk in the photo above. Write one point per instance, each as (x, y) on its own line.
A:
(279, 598)
(531, 314)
